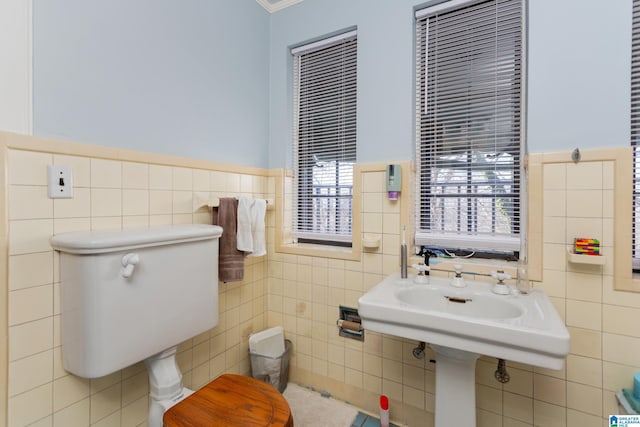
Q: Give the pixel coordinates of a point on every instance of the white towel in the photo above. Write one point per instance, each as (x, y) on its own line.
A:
(244, 235)
(250, 233)
(258, 212)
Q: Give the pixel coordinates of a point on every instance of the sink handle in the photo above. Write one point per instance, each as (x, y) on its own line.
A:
(458, 269)
(500, 288)
(500, 276)
(420, 267)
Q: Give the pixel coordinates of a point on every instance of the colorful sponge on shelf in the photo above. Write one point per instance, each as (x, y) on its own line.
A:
(585, 246)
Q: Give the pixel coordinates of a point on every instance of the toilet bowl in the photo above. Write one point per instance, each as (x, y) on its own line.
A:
(134, 295)
(231, 400)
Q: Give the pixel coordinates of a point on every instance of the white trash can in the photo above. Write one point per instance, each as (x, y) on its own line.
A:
(269, 352)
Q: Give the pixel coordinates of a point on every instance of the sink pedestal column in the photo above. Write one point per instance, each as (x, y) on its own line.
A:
(455, 387)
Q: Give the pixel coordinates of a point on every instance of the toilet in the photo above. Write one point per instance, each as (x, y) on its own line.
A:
(231, 400)
(134, 295)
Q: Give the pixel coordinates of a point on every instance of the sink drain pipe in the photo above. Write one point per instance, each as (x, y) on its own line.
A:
(501, 374)
(418, 352)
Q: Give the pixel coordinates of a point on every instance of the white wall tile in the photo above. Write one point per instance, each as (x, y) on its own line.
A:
(30, 338)
(28, 236)
(31, 406)
(30, 372)
(28, 167)
(106, 202)
(26, 305)
(612, 345)
(135, 202)
(77, 207)
(182, 179)
(584, 176)
(160, 202)
(584, 204)
(69, 390)
(554, 176)
(135, 175)
(160, 177)
(76, 415)
(106, 173)
(32, 269)
(29, 202)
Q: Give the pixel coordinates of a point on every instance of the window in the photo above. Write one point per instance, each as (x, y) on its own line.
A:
(635, 131)
(324, 139)
(468, 124)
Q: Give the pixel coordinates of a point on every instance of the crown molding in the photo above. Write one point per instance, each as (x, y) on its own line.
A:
(278, 5)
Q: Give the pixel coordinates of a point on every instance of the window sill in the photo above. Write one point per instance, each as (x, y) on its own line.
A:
(323, 251)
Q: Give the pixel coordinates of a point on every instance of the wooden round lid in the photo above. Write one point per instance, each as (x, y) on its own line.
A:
(231, 400)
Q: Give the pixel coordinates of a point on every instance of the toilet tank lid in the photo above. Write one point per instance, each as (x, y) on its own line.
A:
(93, 242)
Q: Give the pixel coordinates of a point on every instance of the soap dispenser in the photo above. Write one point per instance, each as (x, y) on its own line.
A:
(394, 181)
(458, 281)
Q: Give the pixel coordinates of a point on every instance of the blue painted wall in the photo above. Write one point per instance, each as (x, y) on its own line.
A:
(579, 74)
(578, 80)
(187, 78)
(211, 79)
(385, 72)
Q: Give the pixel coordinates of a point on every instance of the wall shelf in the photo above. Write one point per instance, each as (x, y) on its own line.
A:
(371, 241)
(586, 259)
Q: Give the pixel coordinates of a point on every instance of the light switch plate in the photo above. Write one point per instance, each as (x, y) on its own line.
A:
(60, 182)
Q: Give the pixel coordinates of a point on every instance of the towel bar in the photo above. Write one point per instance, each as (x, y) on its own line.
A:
(213, 202)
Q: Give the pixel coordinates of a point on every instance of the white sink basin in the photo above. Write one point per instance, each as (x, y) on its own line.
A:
(520, 328)
(459, 303)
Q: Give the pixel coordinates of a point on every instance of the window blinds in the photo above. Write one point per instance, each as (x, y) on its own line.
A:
(635, 128)
(469, 64)
(324, 138)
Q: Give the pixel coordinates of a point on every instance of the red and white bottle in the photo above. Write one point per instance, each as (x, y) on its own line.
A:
(384, 411)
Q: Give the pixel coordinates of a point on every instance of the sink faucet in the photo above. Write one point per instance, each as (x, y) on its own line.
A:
(426, 253)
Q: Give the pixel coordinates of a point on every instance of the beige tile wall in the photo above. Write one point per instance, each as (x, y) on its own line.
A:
(304, 295)
(110, 194)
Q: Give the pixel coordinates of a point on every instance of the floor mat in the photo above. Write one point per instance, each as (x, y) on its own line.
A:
(309, 409)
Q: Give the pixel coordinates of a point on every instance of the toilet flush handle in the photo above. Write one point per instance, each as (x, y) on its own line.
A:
(129, 262)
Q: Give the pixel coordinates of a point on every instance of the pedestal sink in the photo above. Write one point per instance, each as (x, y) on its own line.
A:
(461, 324)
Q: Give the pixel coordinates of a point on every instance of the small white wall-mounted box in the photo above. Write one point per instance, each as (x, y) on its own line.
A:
(60, 181)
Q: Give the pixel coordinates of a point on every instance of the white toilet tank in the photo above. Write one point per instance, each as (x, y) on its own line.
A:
(127, 295)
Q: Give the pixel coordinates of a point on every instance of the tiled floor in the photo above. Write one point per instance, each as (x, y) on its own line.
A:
(364, 420)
